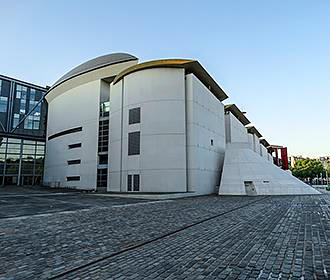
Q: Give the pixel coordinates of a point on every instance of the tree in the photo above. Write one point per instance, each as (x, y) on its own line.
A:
(308, 169)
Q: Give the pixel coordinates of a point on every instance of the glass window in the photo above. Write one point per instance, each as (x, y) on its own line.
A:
(22, 107)
(36, 124)
(104, 109)
(134, 143)
(29, 142)
(73, 178)
(134, 116)
(12, 158)
(12, 168)
(13, 148)
(32, 95)
(129, 183)
(136, 183)
(15, 120)
(3, 103)
(28, 149)
(40, 150)
(28, 122)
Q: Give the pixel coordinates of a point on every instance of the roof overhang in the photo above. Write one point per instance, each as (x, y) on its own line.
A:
(94, 64)
(264, 142)
(253, 130)
(190, 66)
(237, 113)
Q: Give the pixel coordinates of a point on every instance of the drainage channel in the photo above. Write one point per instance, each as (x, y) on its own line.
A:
(131, 248)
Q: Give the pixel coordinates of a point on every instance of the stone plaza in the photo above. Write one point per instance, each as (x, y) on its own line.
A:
(49, 234)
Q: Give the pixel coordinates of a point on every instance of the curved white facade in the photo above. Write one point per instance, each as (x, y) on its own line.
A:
(179, 118)
(75, 103)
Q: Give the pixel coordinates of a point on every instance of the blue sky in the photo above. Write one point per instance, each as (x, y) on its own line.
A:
(271, 57)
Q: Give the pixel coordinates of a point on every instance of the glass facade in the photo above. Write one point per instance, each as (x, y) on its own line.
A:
(23, 112)
(21, 161)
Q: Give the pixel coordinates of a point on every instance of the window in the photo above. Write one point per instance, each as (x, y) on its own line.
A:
(3, 103)
(134, 143)
(16, 120)
(103, 140)
(133, 185)
(74, 161)
(102, 177)
(134, 116)
(129, 183)
(64, 132)
(103, 159)
(211, 142)
(73, 178)
(72, 146)
(136, 183)
(104, 109)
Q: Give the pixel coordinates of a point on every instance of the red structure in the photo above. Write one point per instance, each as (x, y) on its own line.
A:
(282, 162)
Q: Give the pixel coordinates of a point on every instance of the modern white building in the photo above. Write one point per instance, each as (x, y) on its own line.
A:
(78, 123)
(248, 167)
(153, 127)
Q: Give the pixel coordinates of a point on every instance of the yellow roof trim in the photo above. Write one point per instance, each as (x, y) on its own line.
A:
(190, 66)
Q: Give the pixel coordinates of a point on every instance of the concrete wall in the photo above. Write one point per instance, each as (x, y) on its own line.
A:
(263, 151)
(235, 130)
(160, 93)
(205, 122)
(77, 107)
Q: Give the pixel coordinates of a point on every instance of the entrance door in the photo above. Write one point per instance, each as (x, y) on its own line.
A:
(250, 188)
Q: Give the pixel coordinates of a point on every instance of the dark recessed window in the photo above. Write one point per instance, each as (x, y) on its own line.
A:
(72, 146)
(136, 183)
(133, 182)
(64, 132)
(103, 159)
(211, 142)
(134, 116)
(134, 143)
(129, 183)
(74, 161)
(73, 178)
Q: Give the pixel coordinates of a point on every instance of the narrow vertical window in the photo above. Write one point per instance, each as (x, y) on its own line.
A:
(134, 143)
(129, 183)
(136, 183)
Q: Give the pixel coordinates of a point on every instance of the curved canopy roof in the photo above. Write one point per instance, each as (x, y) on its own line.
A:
(93, 64)
(190, 66)
(237, 113)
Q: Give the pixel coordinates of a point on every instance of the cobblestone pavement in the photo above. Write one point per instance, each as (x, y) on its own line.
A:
(261, 238)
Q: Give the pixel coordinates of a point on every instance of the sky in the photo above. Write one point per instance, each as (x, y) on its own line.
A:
(272, 58)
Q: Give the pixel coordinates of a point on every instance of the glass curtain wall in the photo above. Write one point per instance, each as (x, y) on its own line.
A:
(21, 161)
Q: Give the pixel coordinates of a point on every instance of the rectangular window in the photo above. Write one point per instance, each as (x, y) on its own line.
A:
(16, 120)
(136, 183)
(73, 146)
(103, 159)
(134, 143)
(73, 178)
(3, 103)
(133, 182)
(134, 115)
(129, 183)
(74, 161)
(102, 176)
